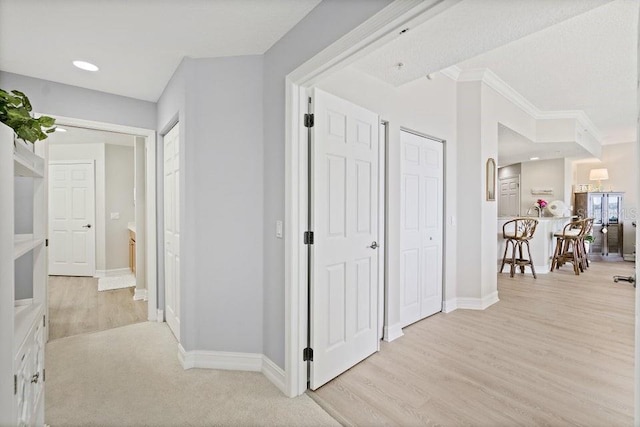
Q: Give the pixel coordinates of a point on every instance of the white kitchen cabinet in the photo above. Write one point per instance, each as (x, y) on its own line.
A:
(23, 276)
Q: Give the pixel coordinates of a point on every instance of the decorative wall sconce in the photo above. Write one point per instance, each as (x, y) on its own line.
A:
(491, 179)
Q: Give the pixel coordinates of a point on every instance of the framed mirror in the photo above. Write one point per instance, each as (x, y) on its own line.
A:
(491, 179)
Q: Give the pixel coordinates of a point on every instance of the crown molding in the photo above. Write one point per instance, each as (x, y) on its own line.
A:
(492, 80)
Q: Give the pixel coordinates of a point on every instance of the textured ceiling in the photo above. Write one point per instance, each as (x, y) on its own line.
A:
(137, 44)
(464, 31)
(586, 63)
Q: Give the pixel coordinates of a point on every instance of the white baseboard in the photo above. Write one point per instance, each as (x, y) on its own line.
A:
(112, 272)
(274, 373)
(477, 303)
(160, 316)
(629, 257)
(225, 360)
(253, 362)
(140, 295)
(449, 305)
(392, 332)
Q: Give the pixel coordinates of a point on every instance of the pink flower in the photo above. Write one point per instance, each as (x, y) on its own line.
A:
(542, 203)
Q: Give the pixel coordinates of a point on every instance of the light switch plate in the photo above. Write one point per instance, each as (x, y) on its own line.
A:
(115, 215)
(279, 229)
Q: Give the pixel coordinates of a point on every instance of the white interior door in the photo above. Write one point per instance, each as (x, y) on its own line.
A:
(172, 229)
(344, 291)
(72, 232)
(509, 201)
(421, 227)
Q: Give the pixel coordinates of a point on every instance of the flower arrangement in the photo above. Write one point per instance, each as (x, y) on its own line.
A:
(541, 203)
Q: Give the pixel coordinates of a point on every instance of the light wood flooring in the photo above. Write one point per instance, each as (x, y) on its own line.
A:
(76, 307)
(558, 350)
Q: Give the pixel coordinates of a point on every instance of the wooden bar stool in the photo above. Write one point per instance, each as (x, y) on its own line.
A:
(516, 233)
(569, 244)
(588, 226)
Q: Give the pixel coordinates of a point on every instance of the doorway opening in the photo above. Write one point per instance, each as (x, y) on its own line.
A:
(102, 250)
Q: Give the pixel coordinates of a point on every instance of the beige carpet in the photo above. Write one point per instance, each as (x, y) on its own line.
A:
(131, 376)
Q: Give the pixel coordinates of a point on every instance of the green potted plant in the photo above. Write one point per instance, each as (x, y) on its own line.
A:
(588, 240)
(15, 112)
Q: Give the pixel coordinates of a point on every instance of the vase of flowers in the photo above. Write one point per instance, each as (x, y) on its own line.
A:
(541, 203)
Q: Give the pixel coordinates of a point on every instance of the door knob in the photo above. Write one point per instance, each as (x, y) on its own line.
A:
(374, 245)
(86, 226)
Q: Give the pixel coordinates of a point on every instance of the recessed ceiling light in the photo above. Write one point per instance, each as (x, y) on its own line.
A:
(59, 129)
(534, 158)
(87, 66)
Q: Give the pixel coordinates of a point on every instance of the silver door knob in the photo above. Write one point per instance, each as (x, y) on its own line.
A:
(374, 245)
(86, 226)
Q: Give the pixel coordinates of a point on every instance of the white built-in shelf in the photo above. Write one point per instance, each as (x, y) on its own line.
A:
(27, 163)
(25, 316)
(23, 243)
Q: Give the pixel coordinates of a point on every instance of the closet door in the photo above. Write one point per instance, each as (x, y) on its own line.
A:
(172, 229)
(421, 227)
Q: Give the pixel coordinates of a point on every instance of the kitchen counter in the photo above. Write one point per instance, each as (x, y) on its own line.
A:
(542, 244)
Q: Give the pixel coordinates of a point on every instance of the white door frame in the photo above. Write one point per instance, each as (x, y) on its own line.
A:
(375, 32)
(95, 214)
(150, 207)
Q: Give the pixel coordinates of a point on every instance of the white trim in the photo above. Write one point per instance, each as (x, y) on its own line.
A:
(224, 360)
(230, 361)
(274, 373)
(377, 31)
(159, 316)
(449, 305)
(150, 208)
(492, 80)
(393, 332)
(112, 272)
(140, 295)
(477, 303)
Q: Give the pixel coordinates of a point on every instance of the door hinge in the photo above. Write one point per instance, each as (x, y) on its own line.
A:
(46, 242)
(15, 384)
(44, 374)
(307, 355)
(44, 320)
(308, 120)
(308, 237)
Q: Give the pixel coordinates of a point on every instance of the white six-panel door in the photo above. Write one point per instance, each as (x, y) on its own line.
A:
(509, 202)
(172, 229)
(421, 227)
(72, 232)
(344, 291)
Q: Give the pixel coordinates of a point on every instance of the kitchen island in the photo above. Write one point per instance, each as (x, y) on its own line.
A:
(542, 244)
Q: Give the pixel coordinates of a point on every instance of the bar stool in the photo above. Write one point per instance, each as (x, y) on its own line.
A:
(588, 226)
(569, 244)
(518, 232)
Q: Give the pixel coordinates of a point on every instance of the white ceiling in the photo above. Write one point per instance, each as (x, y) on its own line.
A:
(560, 55)
(75, 135)
(137, 44)
(516, 148)
(463, 31)
(586, 63)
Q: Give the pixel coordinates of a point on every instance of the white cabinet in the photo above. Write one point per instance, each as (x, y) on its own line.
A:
(23, 276)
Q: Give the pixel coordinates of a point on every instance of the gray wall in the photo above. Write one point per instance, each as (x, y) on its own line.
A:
(218, 103)
(509, 171)
(72, 101)
(330, 20)
(119, 181)
(223, 152)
